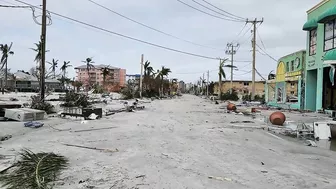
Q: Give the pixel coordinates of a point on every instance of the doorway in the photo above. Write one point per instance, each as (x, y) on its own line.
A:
(329, 91)
(311, 88)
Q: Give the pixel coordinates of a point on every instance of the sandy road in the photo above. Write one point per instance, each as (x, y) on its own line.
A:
(180, 143)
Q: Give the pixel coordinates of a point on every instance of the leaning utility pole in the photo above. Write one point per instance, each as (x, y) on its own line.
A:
(231, 51)
(254, 41)
(207, 84)
(141, 70)
(43, 48)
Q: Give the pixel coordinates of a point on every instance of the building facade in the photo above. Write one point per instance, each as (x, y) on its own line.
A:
(116, 76)
(320, 91)
(287, 89)
(242, 87)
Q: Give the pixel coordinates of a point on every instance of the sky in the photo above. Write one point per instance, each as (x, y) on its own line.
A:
(280, 34)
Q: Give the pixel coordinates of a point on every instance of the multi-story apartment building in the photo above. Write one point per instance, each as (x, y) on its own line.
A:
(116, 76)
(242, 87)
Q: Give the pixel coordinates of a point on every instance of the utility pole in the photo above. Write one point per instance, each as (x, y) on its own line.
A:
(208, 83)
(231, 51)
(43, 49)
(141, 70)
(254, 41)
(220, 79)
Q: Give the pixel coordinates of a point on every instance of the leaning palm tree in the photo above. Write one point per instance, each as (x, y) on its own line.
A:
(53, 66)
(221, 74)
(89, 65)
(6, 50)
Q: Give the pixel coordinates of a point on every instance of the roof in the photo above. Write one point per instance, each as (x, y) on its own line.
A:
(244, 81)
(317, 6)
(97, 66)
(303, 51)
(27, 77)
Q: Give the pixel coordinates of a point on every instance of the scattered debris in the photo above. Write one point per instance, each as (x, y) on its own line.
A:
(264, 171)
(311, 143)
(92, 148)
(6, 137)
(13, 99)
(322, 131)
(33, 124)
(140, 176)
(220, 178)
(231, 107)
(241, 122)
(262, 163)
(93, 116)
(105, 128)
(33, 171)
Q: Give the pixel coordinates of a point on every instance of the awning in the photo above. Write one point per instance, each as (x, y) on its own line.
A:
(310, 25)
(327, 15)
(330, 57)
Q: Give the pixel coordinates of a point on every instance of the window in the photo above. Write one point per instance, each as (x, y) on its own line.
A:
(329, 35)
(292, 65)
(292, 84)
(292, 92)
(312, 42)
(246, 83)
(287, 66)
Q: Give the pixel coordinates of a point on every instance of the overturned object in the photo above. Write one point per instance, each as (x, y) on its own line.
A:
(231, 107)
(34, 124)
(277, 118)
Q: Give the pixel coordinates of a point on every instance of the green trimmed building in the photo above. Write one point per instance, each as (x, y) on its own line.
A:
(320, 89)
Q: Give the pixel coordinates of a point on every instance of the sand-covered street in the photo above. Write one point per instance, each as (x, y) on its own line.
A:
(187, 142)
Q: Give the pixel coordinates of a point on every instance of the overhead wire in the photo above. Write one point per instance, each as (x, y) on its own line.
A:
(186, 4)
(124, 36)
(228, 16)
(221, 9)
(150, 27)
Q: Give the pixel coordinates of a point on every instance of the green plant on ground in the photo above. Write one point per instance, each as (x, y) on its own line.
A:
(73, 99)
(230, 96)
(41, 105)
(33, 171)
(256, 98)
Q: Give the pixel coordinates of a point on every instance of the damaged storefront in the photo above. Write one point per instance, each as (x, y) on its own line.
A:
(321, 57)
(285, 90)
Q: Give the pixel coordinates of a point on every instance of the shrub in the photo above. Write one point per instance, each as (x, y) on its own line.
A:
(73, 99)
(39, 105)
(230, 96)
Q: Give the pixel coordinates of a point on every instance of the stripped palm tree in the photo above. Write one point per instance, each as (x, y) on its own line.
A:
(89, 65)
(64, 67)
(149, 70)
(221, 74)
(38, 57)
(53, 66)
(105, 73)
(6, 50)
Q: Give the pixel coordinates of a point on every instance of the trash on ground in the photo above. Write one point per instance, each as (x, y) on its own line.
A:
(96, 129)
(6, 137)
(311, 143)
(24, 114)
(220, 178)
(92, 116)
(277, 118)
(322, 131)
(92, 148)
(33, 124)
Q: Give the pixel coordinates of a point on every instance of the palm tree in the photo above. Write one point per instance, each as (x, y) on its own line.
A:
(89, 65)
(6, 50)
(53, 66)
(38, 57)
(221, 74)
(148, 73)
(164, 72)
(65, 66)
(105, 73)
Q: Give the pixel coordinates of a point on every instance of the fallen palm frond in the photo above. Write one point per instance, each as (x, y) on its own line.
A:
(33, 171)
(92, 148)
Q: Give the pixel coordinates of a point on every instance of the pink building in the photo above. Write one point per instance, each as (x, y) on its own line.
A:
(117, 76)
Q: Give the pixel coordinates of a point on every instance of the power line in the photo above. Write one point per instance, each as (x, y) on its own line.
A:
(228, 16)
(222, 9)
(124, 36)
(149, 27)
(266, 53)
(195, 72)
(208, 13)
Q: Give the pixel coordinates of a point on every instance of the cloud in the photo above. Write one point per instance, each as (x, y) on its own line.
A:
(281, 33)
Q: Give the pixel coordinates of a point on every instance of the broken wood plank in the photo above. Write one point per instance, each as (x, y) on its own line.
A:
(92, 148)
(85, 130)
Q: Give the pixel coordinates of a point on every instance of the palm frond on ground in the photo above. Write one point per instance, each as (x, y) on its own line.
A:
(33, 171)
